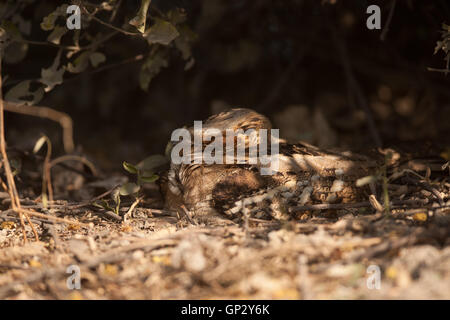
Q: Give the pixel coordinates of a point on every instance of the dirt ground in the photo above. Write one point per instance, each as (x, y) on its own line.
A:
(334, 84)
(328, 254)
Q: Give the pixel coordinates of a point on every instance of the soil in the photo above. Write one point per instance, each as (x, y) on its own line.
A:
(151, 254)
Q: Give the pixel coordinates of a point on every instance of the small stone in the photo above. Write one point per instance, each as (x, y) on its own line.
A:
(337, 186)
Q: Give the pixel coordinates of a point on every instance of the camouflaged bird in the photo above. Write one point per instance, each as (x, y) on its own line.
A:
(306, 175)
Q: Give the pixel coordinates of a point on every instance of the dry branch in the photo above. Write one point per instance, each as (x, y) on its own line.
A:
(47, 113)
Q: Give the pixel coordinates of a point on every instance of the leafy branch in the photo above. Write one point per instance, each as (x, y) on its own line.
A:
(444, 45)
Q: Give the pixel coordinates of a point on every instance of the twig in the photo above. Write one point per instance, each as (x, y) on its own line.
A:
(325, 206)
(12, 190)
(109, 214)
(386, 245)
(388, 21)
(41, 215)
(136, 58)
(44, 43)
(9, 266)
(130, 211)
(44, 112)
(89, 202)
(446, 71)
(84, 161)
(427, 187)
(188, 216)
(70, 48)
(162, 212)
(375, 204)
(46, 176)
(38, 221)
(60, 163)
(93, 17)
(73, 206)
(303, 277)
(114, 13)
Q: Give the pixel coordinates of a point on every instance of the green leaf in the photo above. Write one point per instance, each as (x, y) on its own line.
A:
(80, 63)
(129, 188)
(97, 58)
(152, 162)
(15, 52)
(16, 165)
(365, 180)
(11, 29)
(52, 76)
(446, 27)
(162, 32)
(177, 16)
(38, 145)
(168, 149)
(151, 68)
(130, 168)
(56, 35)
(48, 23)
(184, 42)
(150, 179)
(21, 94)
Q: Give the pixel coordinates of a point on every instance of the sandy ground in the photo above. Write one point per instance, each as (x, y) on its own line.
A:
(342, 255)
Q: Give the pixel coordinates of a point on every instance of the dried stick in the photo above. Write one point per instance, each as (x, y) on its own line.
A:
(89, 202)
(84, 161)
(12, 190)
(93, 17)
(44, 112)
(114, 13)
(46, 175)
(62, 220)
(188, 216)
(77, 48)
(324, 206)
(130, 211)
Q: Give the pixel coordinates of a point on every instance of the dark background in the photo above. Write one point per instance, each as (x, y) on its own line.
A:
(261, 54)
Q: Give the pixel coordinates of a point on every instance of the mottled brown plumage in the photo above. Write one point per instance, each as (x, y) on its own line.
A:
(309, 174)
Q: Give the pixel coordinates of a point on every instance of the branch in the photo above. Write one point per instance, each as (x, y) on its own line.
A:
(44, 112)
(93, 17)
(325, 206)
(12, 190)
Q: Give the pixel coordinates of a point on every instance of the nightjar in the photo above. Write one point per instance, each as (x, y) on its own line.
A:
(305, 174)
